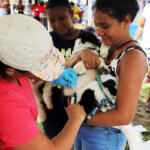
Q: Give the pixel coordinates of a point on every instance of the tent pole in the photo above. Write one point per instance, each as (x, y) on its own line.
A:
(11, 6)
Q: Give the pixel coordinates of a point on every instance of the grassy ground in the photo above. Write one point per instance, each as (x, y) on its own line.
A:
(40, 126)
(142, 117)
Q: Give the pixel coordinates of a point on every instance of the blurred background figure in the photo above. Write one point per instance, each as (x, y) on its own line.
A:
(20, 7)
(76, 11)
(6, 5)
(79, 4)
(85, 13)
(1, 2)
(42, 12)
(144, 27)
(35, 10)
(143, 4)
(3, 11)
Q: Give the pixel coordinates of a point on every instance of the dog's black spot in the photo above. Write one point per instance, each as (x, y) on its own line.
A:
(110, 85)
(88, 101)
(57, 99)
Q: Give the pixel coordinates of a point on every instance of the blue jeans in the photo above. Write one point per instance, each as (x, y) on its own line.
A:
(99, 138)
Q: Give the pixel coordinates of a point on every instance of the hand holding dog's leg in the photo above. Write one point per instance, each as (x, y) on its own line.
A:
(76, 112)
(90, 59)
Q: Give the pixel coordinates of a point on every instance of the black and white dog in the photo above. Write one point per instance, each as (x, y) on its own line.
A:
(88, 91)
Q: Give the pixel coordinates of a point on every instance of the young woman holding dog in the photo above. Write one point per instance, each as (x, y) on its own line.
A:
(18, 108)
(64, 34)
(112, 19)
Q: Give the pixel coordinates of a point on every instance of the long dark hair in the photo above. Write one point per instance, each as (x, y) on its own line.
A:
(2, 70)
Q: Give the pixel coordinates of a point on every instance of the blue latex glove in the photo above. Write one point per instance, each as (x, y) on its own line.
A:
(67, 78)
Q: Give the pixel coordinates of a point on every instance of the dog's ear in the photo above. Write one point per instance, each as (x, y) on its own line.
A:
(89, 37)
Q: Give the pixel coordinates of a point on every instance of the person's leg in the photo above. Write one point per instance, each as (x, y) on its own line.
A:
(100, 138)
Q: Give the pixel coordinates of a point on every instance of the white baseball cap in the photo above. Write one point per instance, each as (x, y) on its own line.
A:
(25, 44)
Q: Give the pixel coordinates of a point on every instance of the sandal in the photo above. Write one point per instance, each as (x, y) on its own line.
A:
(147, 108)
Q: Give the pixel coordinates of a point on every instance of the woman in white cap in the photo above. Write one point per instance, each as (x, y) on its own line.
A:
(26, 51)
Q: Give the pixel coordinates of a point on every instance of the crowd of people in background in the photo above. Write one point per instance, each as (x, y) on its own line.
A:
(37, 10)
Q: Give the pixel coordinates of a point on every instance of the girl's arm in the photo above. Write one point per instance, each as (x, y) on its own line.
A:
(131, 71)
(65, 138)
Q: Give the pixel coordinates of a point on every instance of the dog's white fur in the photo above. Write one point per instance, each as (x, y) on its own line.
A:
(87, 79)
(42, 97)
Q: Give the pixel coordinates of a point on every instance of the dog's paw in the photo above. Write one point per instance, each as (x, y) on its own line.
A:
(103, 109)
(104, 51)
(103, 67)
(80, 68)
(113, 100)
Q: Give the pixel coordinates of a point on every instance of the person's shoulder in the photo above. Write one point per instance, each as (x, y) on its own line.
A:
(131, 52)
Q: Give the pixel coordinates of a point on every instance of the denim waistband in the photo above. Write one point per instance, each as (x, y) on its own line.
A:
(102, 129)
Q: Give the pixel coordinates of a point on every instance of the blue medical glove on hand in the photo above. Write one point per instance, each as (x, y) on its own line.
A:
(67, 78)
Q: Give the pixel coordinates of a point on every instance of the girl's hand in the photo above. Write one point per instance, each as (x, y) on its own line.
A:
(89, 58)
(76, 112)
